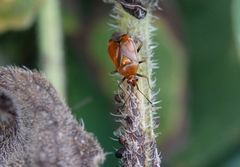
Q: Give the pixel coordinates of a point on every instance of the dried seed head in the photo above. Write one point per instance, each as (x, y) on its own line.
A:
(37, 128)
(119, 153)
(7, 114)
(129, 120)
(122, 140)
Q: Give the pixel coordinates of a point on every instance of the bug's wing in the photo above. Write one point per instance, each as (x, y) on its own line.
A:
(113, 52)
(128, 49)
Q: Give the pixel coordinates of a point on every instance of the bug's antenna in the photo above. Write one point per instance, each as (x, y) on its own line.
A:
(124, 104)
(119, 85)
(143, 76)
(143, 94)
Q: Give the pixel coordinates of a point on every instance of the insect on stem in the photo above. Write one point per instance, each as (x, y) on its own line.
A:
(136, 104)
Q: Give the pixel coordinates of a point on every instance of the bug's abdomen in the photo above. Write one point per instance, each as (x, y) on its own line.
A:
(129, 69)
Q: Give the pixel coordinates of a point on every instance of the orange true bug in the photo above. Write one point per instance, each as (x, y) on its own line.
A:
(123, 53)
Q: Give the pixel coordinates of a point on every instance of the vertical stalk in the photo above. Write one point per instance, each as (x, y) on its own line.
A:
(236, 23)
(51, 48)
(135, 113)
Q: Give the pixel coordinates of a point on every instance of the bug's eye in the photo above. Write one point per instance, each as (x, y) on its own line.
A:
(136, 79)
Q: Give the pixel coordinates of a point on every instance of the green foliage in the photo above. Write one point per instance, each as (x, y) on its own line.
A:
(214, 84)
(15, 14)
(236, 23)
(171, 79)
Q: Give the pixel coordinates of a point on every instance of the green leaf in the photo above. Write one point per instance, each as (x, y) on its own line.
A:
(17, 14)
(236, 23)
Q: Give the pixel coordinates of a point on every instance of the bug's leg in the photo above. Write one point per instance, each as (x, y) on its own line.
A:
(113, 72)
(140, 45)
(143, 94)
(124, 104)
(143, 76)
(123, 79)
(142, 61)
(120, 83)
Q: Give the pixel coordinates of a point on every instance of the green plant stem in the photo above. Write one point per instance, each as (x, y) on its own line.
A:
(236, 23)
(50, 39)
(140, 146)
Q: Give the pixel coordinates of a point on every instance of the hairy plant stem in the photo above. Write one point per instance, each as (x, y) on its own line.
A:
(135, 113)
(51, 44)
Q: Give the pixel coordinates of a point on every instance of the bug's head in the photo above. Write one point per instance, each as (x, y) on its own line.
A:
(132, 80)
(119, 37)
(116, 37)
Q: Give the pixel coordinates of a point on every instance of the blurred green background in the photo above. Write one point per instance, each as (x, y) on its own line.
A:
(199, 73)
